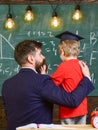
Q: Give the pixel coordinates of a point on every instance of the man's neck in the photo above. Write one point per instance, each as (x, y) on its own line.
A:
(28, 66)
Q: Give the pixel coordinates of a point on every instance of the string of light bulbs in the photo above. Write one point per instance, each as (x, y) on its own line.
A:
(55, 21)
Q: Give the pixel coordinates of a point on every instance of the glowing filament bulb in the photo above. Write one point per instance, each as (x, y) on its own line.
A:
(9, 24)
(55, 21)
(29, 16)
(77, 15)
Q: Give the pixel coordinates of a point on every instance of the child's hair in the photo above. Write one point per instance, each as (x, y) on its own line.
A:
(70, 47)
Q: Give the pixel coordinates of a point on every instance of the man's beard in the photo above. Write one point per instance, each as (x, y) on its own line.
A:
(39, 65)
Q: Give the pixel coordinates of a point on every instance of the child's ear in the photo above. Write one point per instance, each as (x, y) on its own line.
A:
(62, 51)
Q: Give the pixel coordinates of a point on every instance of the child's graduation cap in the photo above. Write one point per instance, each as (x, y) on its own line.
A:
(69, 36)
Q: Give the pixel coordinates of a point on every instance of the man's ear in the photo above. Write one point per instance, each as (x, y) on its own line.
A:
(30, 59)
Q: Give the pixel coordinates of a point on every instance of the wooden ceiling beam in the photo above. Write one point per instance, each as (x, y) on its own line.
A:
(48, 2)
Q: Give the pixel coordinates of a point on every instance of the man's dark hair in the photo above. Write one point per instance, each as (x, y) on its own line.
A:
(24, 48)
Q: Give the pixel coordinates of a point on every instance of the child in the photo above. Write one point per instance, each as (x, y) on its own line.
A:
(68, 76)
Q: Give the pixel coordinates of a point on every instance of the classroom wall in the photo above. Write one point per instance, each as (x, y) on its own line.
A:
(40, 30)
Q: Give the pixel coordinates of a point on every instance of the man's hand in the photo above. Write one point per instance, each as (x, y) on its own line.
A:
(85, 69)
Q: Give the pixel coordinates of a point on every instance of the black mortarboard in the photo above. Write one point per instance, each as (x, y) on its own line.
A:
(69, 36)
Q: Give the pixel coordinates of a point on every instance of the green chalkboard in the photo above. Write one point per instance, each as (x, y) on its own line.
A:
(40, 30)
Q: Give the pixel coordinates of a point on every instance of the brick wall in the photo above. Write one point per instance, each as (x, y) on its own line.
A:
(92, 103)
(2, 116)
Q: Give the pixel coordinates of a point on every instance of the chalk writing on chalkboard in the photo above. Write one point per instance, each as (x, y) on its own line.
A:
(9, 67)
(3, 40)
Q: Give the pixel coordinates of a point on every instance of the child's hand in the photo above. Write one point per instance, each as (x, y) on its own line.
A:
(43, 69)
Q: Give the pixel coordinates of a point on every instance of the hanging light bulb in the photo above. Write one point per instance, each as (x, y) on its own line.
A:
(9, 23)
(77, 15)
(29, 16)
(55, 21)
